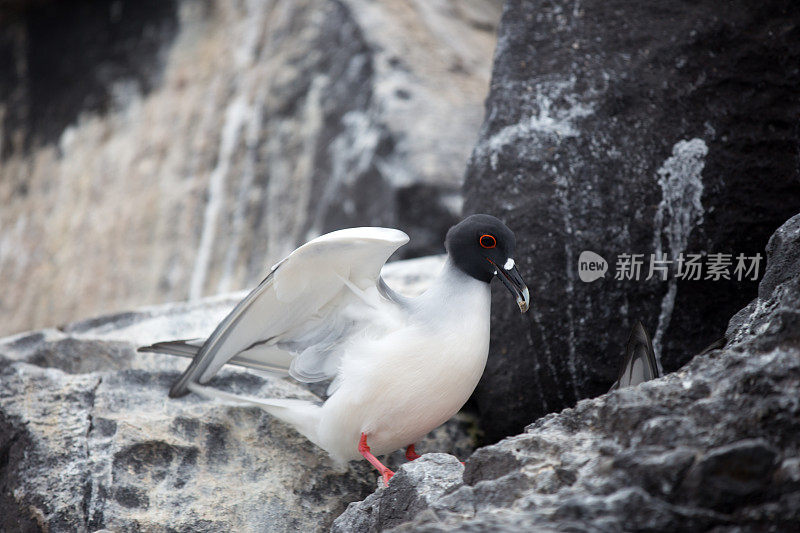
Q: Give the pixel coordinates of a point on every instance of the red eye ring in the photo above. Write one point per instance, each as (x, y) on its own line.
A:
(487, 241)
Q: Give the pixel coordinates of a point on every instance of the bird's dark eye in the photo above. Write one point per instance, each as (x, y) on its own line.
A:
(487, 241)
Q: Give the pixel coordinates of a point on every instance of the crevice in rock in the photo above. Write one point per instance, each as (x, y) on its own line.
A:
(88, 482)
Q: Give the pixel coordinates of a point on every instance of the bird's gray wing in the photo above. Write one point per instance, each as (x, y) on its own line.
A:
(293, 322)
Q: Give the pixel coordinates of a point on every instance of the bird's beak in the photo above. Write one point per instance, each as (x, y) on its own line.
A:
(510, 277)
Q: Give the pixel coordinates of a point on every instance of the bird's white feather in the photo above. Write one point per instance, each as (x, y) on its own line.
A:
(299, 318)
(399, 386)
(397, 383)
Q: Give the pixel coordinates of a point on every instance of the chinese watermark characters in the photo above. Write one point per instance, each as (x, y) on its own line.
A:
(693, 267)
(659, 266)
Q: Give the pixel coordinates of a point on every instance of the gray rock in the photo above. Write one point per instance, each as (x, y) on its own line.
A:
(711, 447)
(89, 439)
(179, 148)
(411, 491)
(107, 450)
(773, 316)
(630, 127)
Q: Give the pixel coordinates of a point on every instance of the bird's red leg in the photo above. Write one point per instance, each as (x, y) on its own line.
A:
(363, 449)
(411, 455)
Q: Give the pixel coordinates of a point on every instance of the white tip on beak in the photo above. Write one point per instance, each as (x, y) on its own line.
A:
(524, 301)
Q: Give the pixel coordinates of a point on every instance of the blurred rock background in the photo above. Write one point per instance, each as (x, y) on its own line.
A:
(162, 150)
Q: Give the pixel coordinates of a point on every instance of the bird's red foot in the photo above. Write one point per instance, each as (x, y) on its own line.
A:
(363, 449)
(411, 455)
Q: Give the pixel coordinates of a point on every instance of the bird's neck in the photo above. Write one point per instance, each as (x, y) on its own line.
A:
(454, 292)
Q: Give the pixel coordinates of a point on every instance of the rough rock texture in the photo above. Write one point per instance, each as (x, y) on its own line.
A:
(714, 446)
(89, 439)
(629, 127)
(774, 317)
(174, 148)
(412, 489)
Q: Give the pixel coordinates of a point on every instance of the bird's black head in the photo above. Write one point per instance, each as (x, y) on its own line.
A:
(483, 247)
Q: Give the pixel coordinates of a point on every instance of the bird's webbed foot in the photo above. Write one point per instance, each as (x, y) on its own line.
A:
(363, 449)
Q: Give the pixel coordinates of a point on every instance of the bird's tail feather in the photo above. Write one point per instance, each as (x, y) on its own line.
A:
(184, 348)
(303, 415)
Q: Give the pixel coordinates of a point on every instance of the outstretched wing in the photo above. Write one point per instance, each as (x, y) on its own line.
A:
(299, 316)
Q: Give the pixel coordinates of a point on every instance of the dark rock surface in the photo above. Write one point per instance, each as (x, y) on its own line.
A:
(714, 446)
(629, 127)
(774, 317)
(89, 439)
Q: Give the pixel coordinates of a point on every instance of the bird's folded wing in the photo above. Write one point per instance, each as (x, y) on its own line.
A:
(299, 315)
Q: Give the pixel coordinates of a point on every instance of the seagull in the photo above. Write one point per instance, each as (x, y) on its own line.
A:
(400, 366)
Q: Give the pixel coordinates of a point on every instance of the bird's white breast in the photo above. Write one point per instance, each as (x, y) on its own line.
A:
(402, 385)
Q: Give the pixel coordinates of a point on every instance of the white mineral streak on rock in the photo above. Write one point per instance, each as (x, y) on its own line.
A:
(553, 110)
(680, 211)
(234, 120)
(555, 107)
(256, 23)
(240, 114)
(562, 194)
(244, 195)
